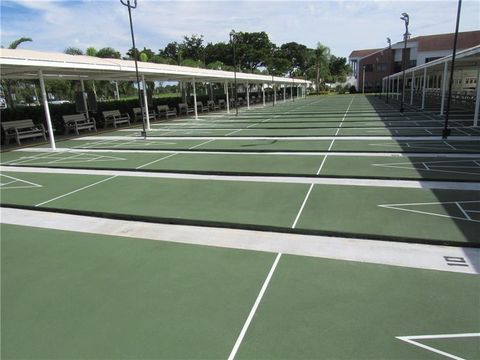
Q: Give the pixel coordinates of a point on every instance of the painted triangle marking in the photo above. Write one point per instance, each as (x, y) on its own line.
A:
(448, 166)
(460, 205)
(413, 341)
(10, 182)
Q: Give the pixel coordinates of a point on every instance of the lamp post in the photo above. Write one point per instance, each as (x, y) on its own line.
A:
(446, 130)
(233, 40)
(142, 106)
(406, 19)
(388, 69)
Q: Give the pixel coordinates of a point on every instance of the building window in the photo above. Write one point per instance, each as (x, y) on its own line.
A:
(368, 67)
(431, 59)
(381, 67)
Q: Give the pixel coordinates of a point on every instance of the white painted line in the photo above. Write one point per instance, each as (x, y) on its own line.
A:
(203, 143)
(75, 191)
(412, 184)
(463, 211)
(154, 161)
(410, 340)
(296, 153)
(303, 205)
(300, 138)
(254, 308)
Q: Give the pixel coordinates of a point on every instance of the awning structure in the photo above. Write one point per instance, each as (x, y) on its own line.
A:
(28, 64)
(468, 59)
(25, 64)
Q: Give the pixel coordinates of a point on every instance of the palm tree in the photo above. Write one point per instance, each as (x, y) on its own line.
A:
(7, 84)
(319, 59)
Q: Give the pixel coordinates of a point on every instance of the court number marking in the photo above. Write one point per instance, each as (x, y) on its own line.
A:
(455, 261)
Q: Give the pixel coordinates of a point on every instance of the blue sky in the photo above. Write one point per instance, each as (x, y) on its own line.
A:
(341, 25)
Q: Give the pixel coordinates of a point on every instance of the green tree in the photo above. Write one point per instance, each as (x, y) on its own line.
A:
(219, 52)
(91, 51)
(339, 69)
(253, 49)
(108, 52)
(8, 84)
(73, 51)
(171, 51)
(318, 64)
(192, 47)
(296, 54)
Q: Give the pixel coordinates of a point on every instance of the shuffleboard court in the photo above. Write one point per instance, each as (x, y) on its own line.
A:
(434, 215)
(341, 165)
(111, 297)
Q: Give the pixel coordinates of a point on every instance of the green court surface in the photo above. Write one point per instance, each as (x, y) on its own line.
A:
(69, 295)
(447, 168)
(370, 211)
(367, 182)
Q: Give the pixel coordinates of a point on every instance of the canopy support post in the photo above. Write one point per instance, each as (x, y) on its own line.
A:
(444, 86)
(477, 100)
(412, 87)
(47, 111)
(195, 99)
(145, 102)
(424, 88)
(263, 94)
(225, 88)
(248, 97)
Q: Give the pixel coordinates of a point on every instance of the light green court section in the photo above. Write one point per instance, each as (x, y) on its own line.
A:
(327, 309)
(361, 211)
(442, 168)
(70, 295)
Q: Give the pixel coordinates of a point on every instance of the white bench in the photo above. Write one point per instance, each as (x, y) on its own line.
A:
(201, 107)
(115, 118)
(184, 109)
(164, 110)
(138, 115)
(22, 129)
(78, 122)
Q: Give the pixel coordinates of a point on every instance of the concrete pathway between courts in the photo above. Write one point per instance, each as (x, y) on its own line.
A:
(418, 256)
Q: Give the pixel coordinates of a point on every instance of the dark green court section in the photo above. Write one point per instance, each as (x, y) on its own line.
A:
(409, 213)
(362, 211)
(327, 309)
(443, 168)
(76, 296)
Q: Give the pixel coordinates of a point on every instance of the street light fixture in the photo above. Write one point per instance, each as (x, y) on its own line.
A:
(388, 71)
(406, 19)
(142, 105)
(233, 40)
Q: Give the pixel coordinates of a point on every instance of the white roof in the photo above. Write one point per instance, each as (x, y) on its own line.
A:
(25, 64)
(465, 59)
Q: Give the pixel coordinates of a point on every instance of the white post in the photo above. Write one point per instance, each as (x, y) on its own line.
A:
(85, 104)
(291, 90)
(444, 86)
(248, 96)
(118, 93)
(195, 99)
(477, 100)
(284, 93)
(226, 93)
(424, 89)
(145, 102)
(47, 111)
(263, 93)
(398, 87)
(412, 87)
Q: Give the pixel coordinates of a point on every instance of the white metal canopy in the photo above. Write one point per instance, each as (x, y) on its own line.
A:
(25, 64)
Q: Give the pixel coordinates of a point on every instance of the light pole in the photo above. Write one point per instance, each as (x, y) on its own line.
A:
(406, 19)
(388, 69)
(142, 106)
(446, 130)
(233, 40)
